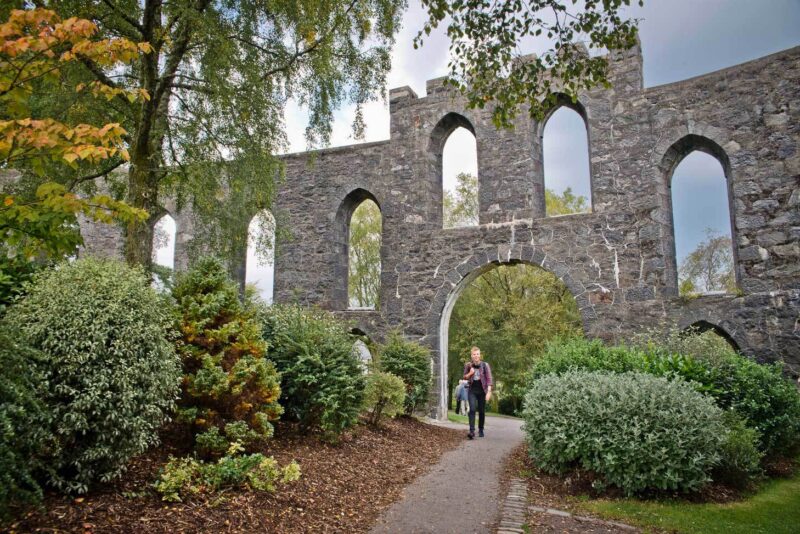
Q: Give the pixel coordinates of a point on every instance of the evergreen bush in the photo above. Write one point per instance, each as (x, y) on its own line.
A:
(24, 429)
(412, 363)
(322, 379)
(384, 396)
(108, 363)
(740, 459)
(636, 431)
(230, 390)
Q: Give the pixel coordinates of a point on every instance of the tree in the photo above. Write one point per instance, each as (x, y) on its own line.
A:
(565, 203)
(709, 267)
(364, 280)
(35, 46)
(461, 206)
(218, 75)
(485, 62)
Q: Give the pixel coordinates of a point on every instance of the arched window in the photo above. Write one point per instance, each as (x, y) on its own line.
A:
(460, 179)
(702, 225)
(565, 154)
(164, 242)
(260, 269)
(364, 261)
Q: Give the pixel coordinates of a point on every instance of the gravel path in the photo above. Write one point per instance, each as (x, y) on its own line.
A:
(460, 494)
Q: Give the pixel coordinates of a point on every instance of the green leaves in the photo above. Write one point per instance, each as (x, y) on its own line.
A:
(412, 363)
(486, 66)
(636, 431)
(364, 278)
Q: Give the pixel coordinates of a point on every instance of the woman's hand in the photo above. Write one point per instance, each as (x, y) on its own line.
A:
(471, 372)
(488, 395)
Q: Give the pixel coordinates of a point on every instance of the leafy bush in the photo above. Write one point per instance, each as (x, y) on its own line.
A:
(230, 389)
(767, 400)
(110, 368)
(740, 460)
(24, 431)
(636, 431)
(322, 380)
(412, 363)
(383, 396)
(182, 477)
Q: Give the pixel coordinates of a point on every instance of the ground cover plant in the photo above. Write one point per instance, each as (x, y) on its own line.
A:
(322, 383)
(412, 363)
(635, 431)
(108, 364)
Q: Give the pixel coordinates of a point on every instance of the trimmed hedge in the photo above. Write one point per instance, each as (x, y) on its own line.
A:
(108, 361)
(636, 431)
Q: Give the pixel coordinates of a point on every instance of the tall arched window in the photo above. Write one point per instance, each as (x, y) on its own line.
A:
(565, 153)
(460, 179)
(164, 242)
(260, 269)
(702, 225)
(364, 261)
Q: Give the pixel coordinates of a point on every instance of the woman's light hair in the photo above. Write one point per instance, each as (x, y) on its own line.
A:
(473, 349)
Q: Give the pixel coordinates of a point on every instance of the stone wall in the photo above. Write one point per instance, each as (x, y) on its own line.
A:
(618, 260)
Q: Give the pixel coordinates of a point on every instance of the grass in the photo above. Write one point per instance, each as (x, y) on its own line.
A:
(774, 509)
(452, 417)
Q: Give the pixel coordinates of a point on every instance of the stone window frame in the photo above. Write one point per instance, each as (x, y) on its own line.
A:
(449, 123)
(672, 158)
(703, 326)
(341, 245)
(564, 101)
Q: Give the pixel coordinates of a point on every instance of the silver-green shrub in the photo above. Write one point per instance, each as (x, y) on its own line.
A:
(636, 431)
(109, 365)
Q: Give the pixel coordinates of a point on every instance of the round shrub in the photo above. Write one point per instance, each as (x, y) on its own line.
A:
(412, 363)
(322, 382)
(24, 430)
(230, 390)
(636, 431)
(111, 371)
(383, 396)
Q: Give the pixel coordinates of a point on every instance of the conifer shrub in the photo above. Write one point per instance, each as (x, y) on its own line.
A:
(384, 396)
(230, 389)
(412, 363)
(322, 379)
(635, 431)
(108, 364)
(24, 429)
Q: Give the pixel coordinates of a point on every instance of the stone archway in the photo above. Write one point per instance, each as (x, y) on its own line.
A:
(457, 279)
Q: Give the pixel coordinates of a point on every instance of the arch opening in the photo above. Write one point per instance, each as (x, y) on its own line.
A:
(564, 140)
(260, 262)
(460, 179)
(710, 329)
(700, 207)
(357, 243)
(509, 310)
(164, 234)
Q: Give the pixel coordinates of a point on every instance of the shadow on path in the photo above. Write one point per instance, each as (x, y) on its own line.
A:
(460, 494)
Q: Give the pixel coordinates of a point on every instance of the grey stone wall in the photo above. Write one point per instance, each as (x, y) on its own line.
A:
(618, 261)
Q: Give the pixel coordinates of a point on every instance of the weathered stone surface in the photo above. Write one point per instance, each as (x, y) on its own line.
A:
(618, 261)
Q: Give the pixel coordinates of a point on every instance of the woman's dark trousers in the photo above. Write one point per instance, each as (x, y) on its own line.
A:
(477, 401)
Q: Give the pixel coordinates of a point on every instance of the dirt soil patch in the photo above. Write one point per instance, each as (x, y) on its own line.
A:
(343, 488)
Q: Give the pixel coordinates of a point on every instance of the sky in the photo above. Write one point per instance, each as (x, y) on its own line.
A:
(680, 39)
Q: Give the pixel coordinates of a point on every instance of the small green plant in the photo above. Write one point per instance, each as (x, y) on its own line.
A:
(108, 363)
(322, 379)
(383, 396)
(412, 363)
(230, 389)
(636, 431)
(183, 477)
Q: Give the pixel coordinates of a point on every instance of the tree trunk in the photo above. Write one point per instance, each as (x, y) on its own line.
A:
(142, 193)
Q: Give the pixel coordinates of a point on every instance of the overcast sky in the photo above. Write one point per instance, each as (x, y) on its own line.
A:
(680, 39)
